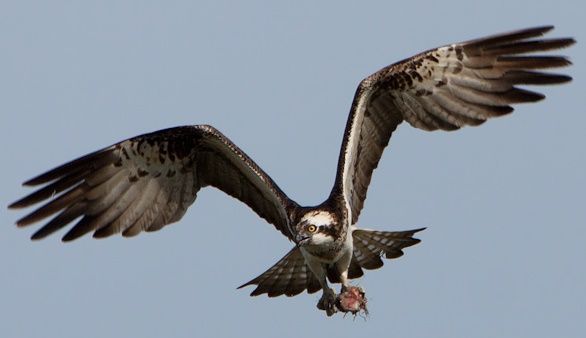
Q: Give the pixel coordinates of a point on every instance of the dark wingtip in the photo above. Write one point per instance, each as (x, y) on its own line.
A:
(95, 160)
(569, 41)
(538, 30)
(15, 205)
(67, 239)
(566, 42)
(545, 28)
(73, 234)
(44, 177)
(27, 220)
(102, 233)
(518, 95)
(36, 236)
(416, 240)
(535, 97)
(256, 292)
(511, 36)
(33, 181)
(21, 223)
(31, 199)
(252, 282)
(541, 29)
(563, 79)
(558, 43)
(43, 233)
(418, 230)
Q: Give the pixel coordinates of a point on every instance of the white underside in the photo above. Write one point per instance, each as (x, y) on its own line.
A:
(341, 259)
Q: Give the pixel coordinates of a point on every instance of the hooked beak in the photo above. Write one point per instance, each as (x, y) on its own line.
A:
(302, 240)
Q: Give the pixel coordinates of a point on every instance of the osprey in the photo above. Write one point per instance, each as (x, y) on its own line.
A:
(149, 181)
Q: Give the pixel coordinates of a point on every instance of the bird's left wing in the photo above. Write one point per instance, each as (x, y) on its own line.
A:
(462, 84)
(149, 181)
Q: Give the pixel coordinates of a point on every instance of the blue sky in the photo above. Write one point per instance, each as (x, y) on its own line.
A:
(503, 255)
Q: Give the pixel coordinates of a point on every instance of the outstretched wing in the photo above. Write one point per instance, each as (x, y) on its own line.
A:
(446, 88)
(149, 181)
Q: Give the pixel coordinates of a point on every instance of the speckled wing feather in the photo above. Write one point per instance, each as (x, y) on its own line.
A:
(289, 276)
(446, 88)
(149, 181)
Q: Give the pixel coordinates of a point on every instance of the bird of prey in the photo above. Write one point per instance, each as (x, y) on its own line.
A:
(148, 181)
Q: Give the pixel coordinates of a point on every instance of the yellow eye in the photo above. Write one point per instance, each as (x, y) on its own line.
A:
(312, 228)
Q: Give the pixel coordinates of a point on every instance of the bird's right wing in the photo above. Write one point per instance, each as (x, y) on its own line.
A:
(149, 181)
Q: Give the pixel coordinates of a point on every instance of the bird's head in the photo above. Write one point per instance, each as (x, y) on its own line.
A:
(316, 228)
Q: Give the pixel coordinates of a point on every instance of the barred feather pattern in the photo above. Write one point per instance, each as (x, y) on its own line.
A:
(371, 245)
(289, 276)
(147, 182)
(446, 88)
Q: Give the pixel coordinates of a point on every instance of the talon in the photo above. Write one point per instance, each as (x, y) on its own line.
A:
(320, 304)
(327, 302)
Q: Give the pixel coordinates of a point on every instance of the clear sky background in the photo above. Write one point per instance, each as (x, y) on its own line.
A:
(503, 255)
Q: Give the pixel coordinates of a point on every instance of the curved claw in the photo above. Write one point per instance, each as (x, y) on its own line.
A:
(327, 302)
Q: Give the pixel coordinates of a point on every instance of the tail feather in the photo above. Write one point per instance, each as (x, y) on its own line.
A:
(371, 245)
(290, 275)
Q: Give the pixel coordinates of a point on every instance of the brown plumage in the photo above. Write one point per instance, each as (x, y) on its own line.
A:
(149, 181)
(445, 88)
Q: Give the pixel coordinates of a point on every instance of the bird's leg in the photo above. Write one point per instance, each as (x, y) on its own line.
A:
(351, 298)
(327, 302)
(342, 266)
(344, 281)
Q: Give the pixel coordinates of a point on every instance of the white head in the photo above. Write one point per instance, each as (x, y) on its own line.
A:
(317, 228)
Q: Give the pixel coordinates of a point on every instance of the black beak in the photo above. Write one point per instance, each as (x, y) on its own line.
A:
(301, 239)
